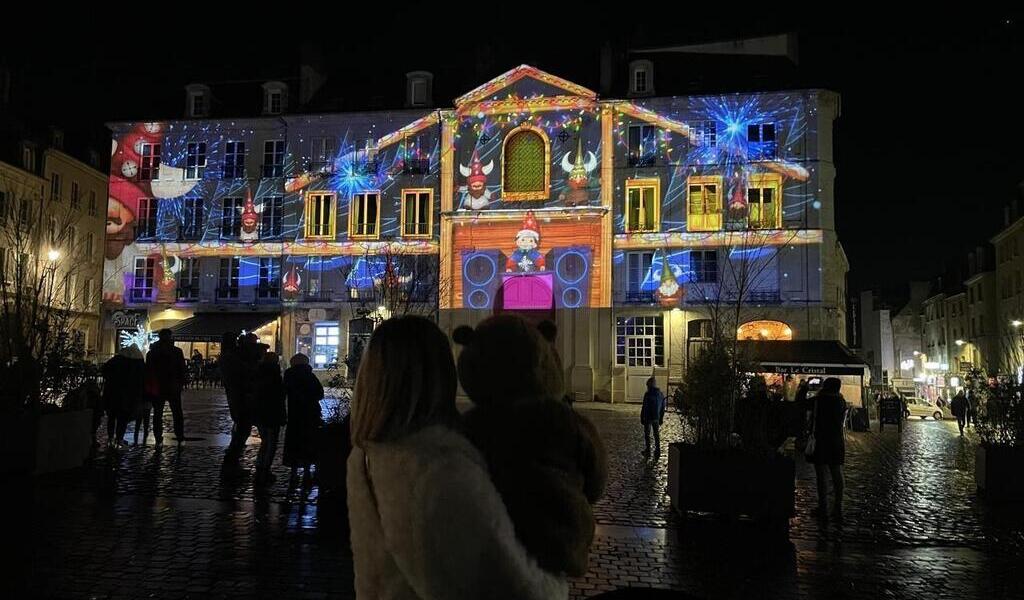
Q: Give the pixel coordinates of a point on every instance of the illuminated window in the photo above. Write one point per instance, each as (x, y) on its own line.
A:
(234, 160)
(761, 143)
(704, 203)
(704, 266)
(764, 330)
(417, 210)
(55, 187)
(643, 205)
(192, 219)
(320, 216)
(326, 336)
(142, 284)
(146, 218)
(364, 216)
(270, 218)
(642, 145)
(227, 281)
(526, 164)
(273, 158)
(764, 201)
(75, 199)
(150, 169)
(195, 160)
(231, 217)
(640, 341)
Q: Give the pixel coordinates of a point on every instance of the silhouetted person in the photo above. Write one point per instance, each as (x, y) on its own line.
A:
(270, 413)
(828, 414)
(652, 414)
(959, 407)
(166, 364)
(234, 374)
(123, 377)
(304, 393)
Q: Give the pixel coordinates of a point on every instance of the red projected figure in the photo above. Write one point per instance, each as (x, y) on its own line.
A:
(526, 258)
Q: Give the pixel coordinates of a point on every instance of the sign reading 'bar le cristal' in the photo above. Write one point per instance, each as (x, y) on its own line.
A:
(810, 369)
(127, 319)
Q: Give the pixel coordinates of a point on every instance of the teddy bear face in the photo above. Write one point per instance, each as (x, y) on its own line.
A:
(505, 360)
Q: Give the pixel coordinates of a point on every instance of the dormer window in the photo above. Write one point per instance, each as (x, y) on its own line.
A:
(641, 78)
(418, 88)
(57, 139)
(198, 100)
(274, 97)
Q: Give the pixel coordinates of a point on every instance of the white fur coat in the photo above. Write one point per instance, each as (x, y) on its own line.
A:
(438, 528)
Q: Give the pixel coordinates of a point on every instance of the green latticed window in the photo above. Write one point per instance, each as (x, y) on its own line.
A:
(525, 166)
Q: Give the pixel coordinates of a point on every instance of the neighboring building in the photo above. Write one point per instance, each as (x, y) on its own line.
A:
(1009, 287)
(57, 201)
(877, 339)
(907, 328)
(621, 219)
(891, 334)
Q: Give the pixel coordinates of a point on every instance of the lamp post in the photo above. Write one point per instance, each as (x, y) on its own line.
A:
(52, 256)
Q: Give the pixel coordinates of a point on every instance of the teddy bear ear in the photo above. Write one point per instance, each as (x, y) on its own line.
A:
(548, 329)
(463, 335)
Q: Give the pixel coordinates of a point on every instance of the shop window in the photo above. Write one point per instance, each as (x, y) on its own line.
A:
(764, 330)
(764, 201)
(526, 164)
(325, 344)
(643, 205)
(704, 203)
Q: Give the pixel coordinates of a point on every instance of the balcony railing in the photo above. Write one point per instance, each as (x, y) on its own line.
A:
(140, 294)
(227, 293)
(188, 293)
(317, 295)
(639, 297)
(268, 292)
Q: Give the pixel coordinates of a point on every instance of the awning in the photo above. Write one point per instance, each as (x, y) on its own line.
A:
(807, 357)
(210, 327)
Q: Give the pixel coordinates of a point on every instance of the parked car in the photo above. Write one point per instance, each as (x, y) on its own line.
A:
(919, 407)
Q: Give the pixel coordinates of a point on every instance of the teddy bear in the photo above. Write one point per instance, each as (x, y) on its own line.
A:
(546, 460)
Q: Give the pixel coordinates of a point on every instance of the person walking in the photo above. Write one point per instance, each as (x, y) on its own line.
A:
(304, 392)
(166, 363)
(235, 375)
(829, 447)
(959, 407)
(122, 390)
(652, 414)
(269, 414)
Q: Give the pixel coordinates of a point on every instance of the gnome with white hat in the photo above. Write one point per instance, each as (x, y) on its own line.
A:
(526, 258)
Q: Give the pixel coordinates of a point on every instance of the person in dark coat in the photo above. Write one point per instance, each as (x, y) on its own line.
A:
(123, 377)
(652, 414)
(235, 375)
(166, 364)
(304, 392)
(269, 413)
(959, 408)
(828, 415)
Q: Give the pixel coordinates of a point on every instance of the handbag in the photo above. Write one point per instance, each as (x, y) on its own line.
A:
(809, 447)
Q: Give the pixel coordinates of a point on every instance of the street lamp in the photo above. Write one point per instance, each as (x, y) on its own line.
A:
(53, 255)
(1016, 323)
(959, 342)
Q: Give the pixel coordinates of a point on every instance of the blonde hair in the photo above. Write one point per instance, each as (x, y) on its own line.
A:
(406, 381)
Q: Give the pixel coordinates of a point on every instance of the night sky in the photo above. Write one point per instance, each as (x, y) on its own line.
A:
(930, 137)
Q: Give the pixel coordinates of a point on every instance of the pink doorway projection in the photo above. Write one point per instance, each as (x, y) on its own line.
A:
(527, 292)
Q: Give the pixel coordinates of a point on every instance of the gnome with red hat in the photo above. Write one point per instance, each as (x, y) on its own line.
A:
(526, 258)
(475, 194)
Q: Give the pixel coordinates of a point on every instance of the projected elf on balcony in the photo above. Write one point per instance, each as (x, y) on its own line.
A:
(534, 277)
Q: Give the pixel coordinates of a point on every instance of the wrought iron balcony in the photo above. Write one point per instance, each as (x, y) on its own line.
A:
(317, 295)
(268, 292)
(227, 293)
(188, 293)
(141, 294)
(639, 297)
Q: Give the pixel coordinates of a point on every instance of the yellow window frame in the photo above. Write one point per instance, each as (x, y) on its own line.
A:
(332, 226)
(706, 218)
(351, 216)
(531, 195)
(641, 185)
(763, 181)
(430, 211)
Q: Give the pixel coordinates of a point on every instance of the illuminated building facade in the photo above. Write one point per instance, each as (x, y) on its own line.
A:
(619, 219)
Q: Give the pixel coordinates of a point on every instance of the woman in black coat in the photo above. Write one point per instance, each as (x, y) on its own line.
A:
(304, 394)
(269, 413)
(829, 414)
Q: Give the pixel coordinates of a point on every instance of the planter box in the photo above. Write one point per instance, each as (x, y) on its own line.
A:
(997, 472)
(52, 442)
(731, 482)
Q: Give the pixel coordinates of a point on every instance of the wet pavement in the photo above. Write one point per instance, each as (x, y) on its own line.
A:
(167, 524)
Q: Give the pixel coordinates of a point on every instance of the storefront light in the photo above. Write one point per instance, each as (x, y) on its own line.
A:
(932, 365)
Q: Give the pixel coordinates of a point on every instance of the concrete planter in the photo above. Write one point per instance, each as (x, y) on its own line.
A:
(997, 472)
(732, 483)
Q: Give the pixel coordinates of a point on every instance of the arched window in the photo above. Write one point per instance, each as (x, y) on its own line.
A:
(526, 164)
(764, 330)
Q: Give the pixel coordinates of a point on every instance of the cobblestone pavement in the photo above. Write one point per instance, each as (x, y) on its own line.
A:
(167, 525)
